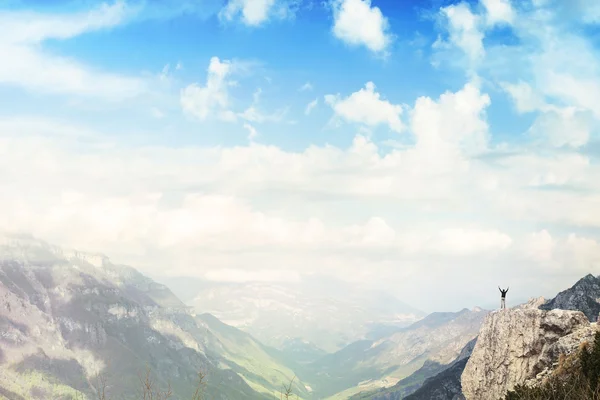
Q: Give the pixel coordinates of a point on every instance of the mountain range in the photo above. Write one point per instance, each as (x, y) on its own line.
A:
(67, 318)
(444, 381)
(317, 312)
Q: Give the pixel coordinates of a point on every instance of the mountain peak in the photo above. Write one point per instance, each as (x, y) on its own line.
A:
(581, 296)
(588, 278)
(25, 246)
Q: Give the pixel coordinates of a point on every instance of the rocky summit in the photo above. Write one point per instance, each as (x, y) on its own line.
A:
(521, 345)
(582, 296)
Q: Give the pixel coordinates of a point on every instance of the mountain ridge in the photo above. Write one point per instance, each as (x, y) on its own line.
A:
(56, 307)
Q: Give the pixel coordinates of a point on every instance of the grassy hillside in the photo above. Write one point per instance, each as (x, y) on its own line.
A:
(257, 364)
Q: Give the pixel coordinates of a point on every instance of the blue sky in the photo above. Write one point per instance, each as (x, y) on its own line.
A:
(283, 55)
(381, 142)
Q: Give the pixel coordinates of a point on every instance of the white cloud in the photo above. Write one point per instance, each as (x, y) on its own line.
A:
(499, 12)
(26, 64)
(367, 107)
(213, 98)
(563, 127)
(524, 97)
(261, 209)
(581, 91)
(307, 87)
(252, 133)
(581, 254)
(460, 241)
(29, 27)
(311, 106)
(455, 120)
(539, 246)
(464, 30)
(257, 12)
(356, 22)
(253, 114)
(448, 202)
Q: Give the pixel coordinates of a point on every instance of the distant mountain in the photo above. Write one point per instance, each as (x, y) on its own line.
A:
(583, 296)
(66, 316)
(324, 314)
(301, 351)
(364, 366)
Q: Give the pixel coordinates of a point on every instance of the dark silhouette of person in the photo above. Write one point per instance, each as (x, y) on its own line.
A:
(503, 298)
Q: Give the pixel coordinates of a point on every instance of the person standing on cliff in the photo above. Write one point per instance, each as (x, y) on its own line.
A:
(503, 298)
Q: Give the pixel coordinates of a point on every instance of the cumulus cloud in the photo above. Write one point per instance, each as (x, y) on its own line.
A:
(455, 120)
(202, 208)
(499, 12)
(451, 201)
(367, 107)
(464, 30)
(358, 23)
(212, 98)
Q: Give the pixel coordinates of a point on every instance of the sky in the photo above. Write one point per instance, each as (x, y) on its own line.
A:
(431, 149)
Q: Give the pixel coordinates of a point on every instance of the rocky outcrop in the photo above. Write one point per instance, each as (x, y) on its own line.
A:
(583, 296)
(521, 345)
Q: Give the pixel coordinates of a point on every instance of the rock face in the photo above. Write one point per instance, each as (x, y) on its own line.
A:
(583, 296)
(521, 345)
(66, 316)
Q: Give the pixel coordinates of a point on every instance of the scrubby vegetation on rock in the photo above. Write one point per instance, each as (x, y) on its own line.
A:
(576, 377)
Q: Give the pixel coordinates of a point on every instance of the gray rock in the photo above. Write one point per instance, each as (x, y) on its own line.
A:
(583, 296)
(66, 316)
(516, 345)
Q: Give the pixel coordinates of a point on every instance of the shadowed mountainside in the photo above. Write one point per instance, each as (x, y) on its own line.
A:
(66, 316)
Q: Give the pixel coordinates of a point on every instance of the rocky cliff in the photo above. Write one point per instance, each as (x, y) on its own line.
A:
(521, 345)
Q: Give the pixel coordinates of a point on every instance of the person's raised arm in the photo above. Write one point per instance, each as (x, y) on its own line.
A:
(507, 289)
(499, 289)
